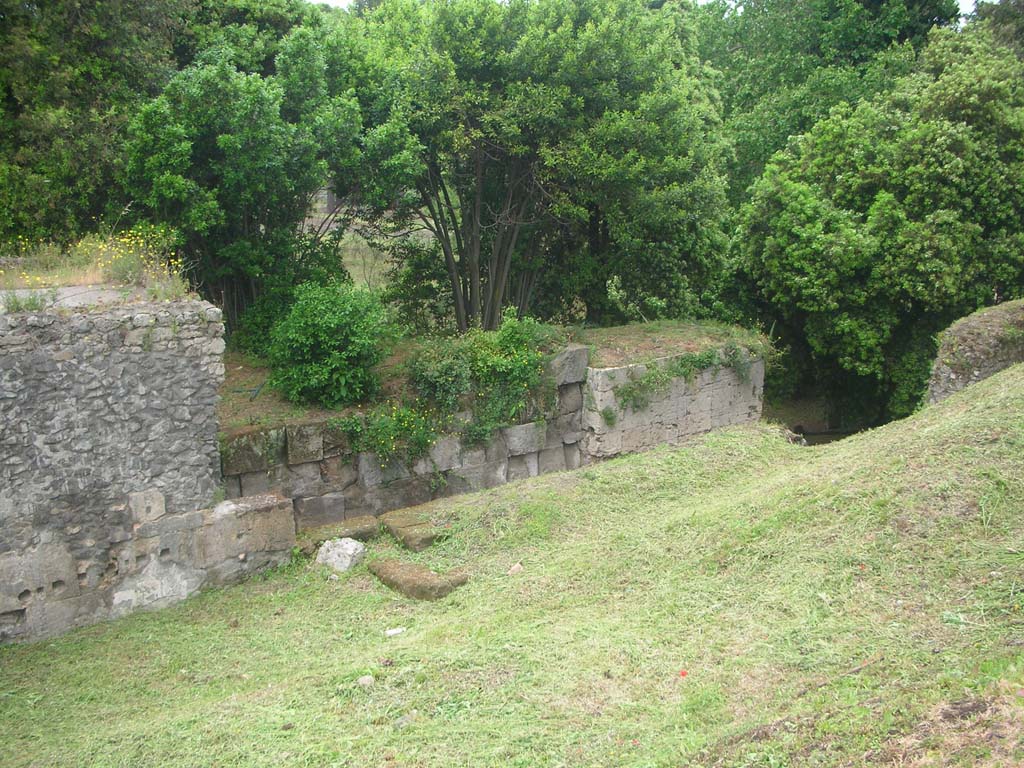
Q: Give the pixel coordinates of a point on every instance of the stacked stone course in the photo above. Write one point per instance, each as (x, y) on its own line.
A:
(108, 457)
(313, 465)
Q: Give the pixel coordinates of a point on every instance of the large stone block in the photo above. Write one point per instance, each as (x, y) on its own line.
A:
(525, 438)
(570, 398)
(551, 459)
(570, 365)
(234, 530)
(253, 451)
(478, 478)
(316, 511)
(523, 467)
(305, 442)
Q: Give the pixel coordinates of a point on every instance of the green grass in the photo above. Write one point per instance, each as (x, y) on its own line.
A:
(855, 604)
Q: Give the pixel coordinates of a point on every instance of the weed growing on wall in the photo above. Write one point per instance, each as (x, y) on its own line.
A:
(390, 431)
(495, 376)
(638, 392)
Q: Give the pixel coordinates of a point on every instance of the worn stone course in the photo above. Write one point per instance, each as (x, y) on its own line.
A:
(108, 459)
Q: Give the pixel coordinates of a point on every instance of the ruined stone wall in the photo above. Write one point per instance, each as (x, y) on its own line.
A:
(313, 464)
(976, 347)
(715, 397)
(108, 457)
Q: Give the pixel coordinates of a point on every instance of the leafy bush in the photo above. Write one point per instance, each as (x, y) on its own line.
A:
(890, 219)
(390, 431)
(304, 258)
(494, 375)
(325, 348)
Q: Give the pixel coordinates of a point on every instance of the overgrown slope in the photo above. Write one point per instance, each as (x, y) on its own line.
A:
(855, 604)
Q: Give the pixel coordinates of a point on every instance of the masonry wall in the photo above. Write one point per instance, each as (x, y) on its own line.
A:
(313, 465)
(976, 347)
(716, 397)
(109, 465)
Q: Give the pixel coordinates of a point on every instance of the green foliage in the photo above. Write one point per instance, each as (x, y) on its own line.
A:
(637, 393)
(325, 348)
(546, 146)
(28, 302)
(785, 63)
(891, 219)
(72, 74)
(217, 156)
(390, 431)
(495, 375)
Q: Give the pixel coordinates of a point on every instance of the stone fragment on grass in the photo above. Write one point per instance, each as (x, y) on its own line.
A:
(413, 529)
(341, 554)
(416, 581)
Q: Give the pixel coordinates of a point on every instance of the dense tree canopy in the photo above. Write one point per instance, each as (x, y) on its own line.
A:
(540, 140)
(891, 218)
(72, 75)
(785, 63)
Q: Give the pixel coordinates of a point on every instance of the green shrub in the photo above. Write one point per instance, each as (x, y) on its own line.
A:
(495, 375)
(325, 348)
(390, 431)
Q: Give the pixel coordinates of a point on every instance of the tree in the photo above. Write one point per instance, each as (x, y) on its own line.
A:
(785, 63)
(888, 220)
(511, 131)
(220, 157)
(1006, 18)
(71, 76)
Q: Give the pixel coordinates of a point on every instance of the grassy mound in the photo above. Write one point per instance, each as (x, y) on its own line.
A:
(856, 604)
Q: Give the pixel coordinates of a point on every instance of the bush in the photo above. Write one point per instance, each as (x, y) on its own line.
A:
(325, 348)
(493, 374)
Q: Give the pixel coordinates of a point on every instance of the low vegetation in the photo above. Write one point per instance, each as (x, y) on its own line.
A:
(739, 601)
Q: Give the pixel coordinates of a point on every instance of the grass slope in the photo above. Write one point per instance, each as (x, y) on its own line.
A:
(855, 604)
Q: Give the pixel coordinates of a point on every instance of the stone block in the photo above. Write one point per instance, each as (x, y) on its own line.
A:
(232, 487)
(362, 528)
(406, 492)
(489, 475)
(525, 438)
(234, 530)
(253, 451)
(316, 511)
(416, 581)
(570, 398)
(570, 365)
(551, 460)
(523, 467)
(573, 458)
(255, 483)
(334, 441)
(300, 480)
(372, 473)
(444, 454)
(414, 529)
(147, 506)
(337, 473)
(341, 554)
(305, 443)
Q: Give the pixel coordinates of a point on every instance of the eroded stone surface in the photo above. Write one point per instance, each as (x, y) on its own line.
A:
(415, 530)
(341, 554)
(416, 581)
(362, 528)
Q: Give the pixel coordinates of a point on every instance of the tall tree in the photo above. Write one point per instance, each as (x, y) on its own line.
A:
(535, 135)
(71, 76)
(888, 220)
(785, 63)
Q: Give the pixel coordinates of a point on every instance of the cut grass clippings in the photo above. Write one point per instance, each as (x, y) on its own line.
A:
(738, 601)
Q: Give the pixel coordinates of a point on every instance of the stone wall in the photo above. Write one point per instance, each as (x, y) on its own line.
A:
(976, 347)
(108, 457)
(313, 465)
(716, 397)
